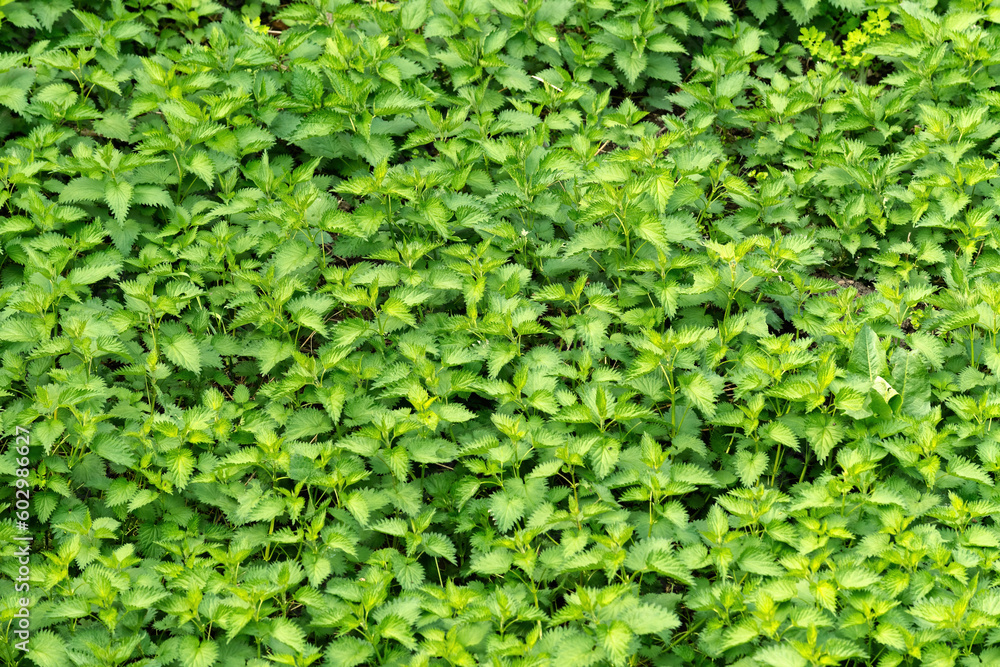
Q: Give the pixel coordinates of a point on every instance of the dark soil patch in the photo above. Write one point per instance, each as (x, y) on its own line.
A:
(863, 288)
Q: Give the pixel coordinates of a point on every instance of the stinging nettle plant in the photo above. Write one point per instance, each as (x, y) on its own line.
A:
(461, 332)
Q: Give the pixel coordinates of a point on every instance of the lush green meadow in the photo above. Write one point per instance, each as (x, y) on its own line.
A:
(515, 333)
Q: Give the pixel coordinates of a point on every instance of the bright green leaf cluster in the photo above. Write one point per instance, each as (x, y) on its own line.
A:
(461, 332)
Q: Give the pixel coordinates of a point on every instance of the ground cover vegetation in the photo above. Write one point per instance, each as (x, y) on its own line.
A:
(500, 332)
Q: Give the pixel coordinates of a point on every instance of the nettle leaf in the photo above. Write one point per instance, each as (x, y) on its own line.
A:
(962, 467)
(699, 391)
(47, 649)
(15, 83)
(118, 195)
(438, 545)
(180, 465)
(97, 268)
(762, 8)
(115, 450)
(856, 577)
(183, 350)
(781, 655)
(202, 166)
(650, 619)
(151, 195)
(317, 568)
(306, 423)
(750, 466)
(454, 413)
(271, 352)
(631, 63)
(823, 432)
(349, 651)
(192, 653)
(506, 509)
(616, 638)
(83, 189)
(494, 562)
(288, 633)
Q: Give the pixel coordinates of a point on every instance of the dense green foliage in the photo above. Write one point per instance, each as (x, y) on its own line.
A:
(502, 332)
